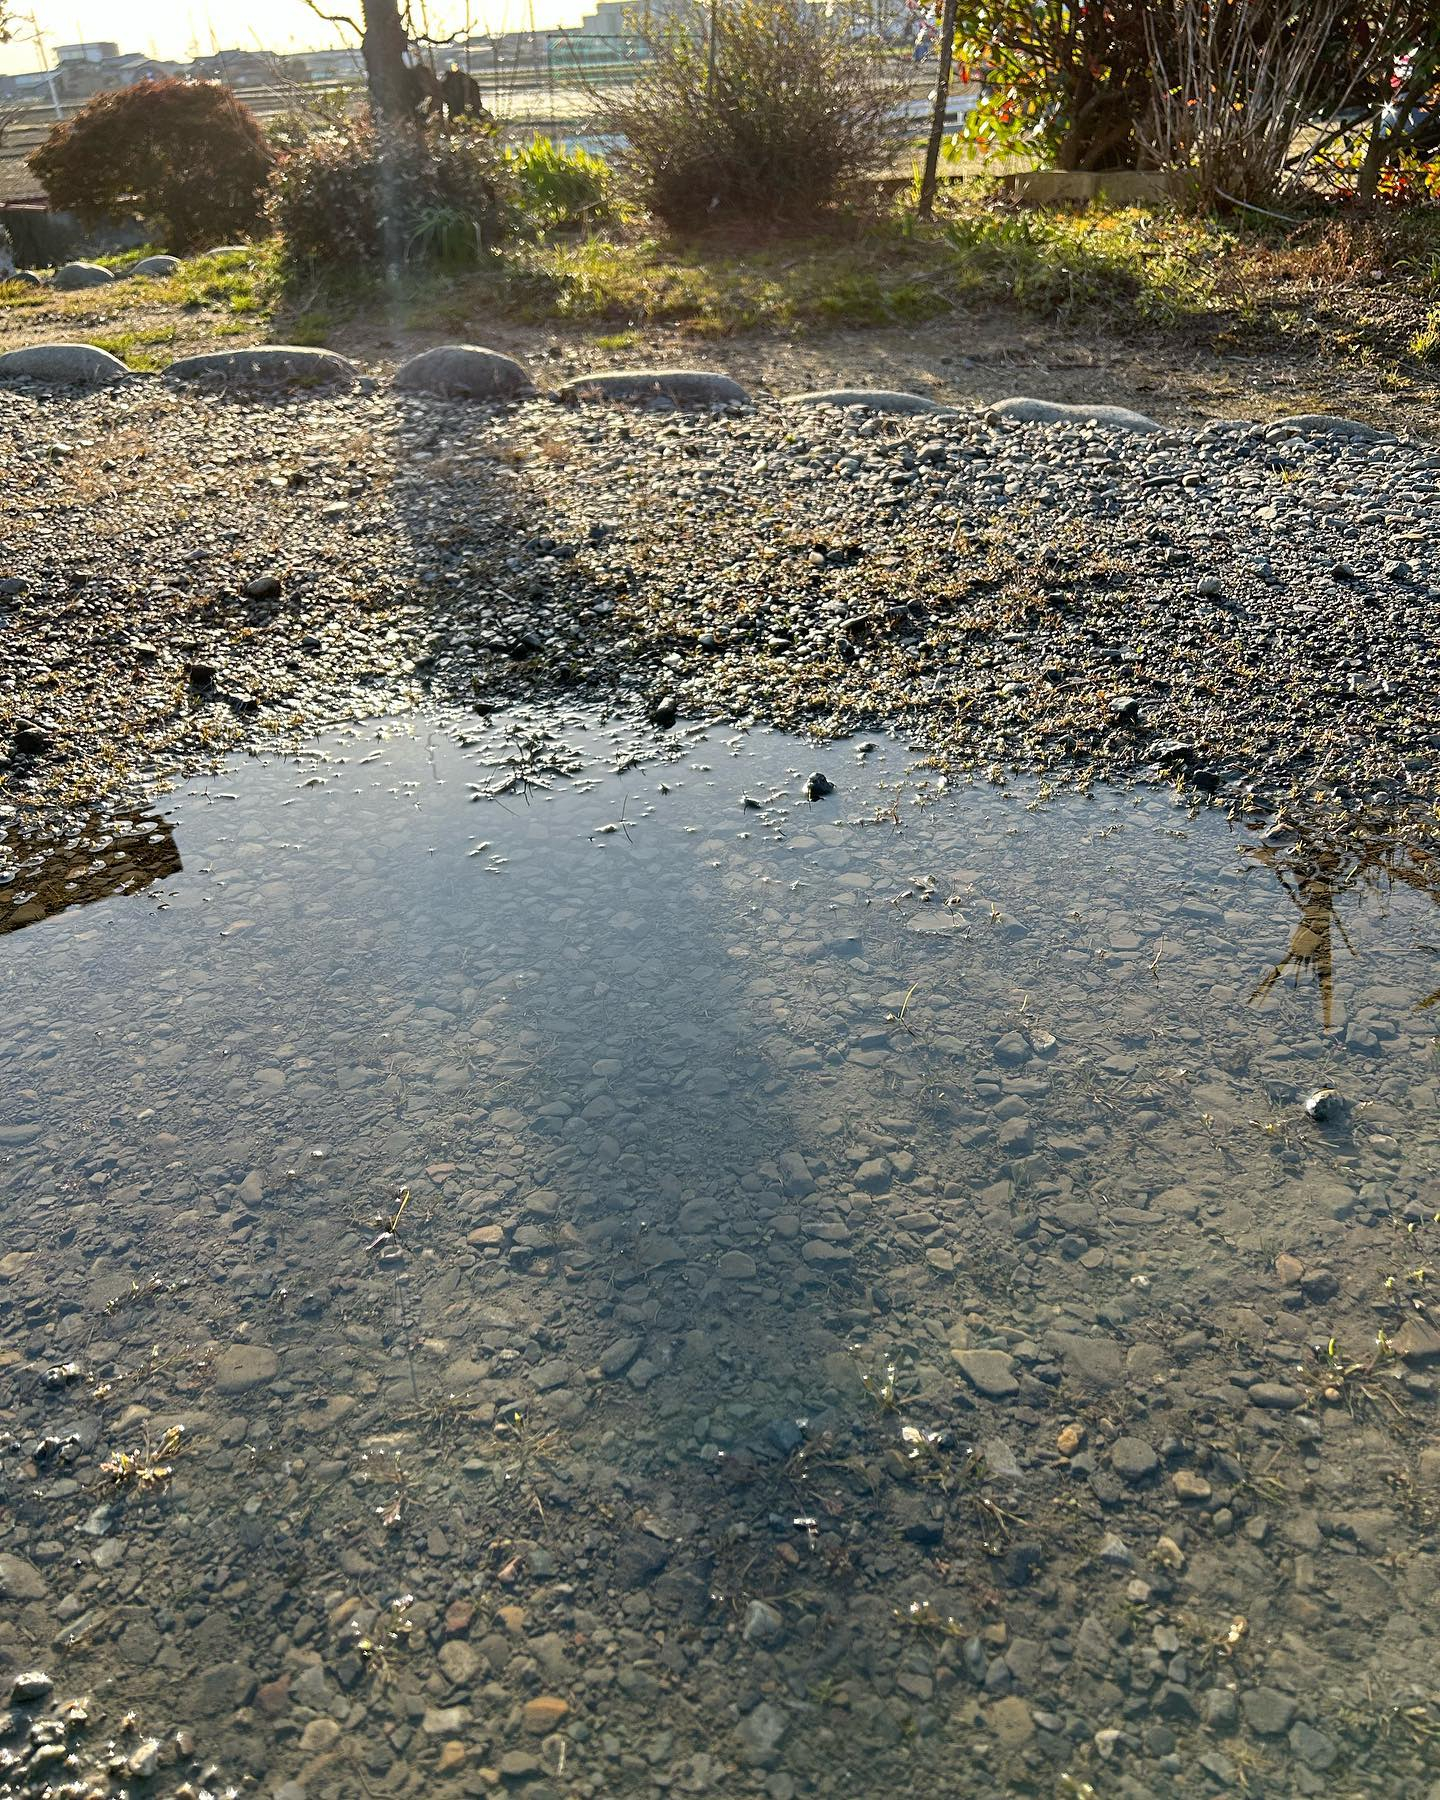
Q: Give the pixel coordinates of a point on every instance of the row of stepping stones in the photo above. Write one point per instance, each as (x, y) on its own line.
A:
(72, 276)
(469, 372)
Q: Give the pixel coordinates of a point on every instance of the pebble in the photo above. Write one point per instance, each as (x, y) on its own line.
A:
(1133, 1459)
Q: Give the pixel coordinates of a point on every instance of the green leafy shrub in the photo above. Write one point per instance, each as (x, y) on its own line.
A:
(764, 110)
(371, 194)
(1063, 80)
(560, 189)
(185, 155)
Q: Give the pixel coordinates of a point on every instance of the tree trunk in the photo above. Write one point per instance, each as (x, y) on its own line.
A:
(937, 118)
(383, 46)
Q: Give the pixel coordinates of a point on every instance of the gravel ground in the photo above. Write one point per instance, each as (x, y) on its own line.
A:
(1246, 608)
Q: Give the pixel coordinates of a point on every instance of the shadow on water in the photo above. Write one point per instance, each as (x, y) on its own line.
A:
(1317, 876)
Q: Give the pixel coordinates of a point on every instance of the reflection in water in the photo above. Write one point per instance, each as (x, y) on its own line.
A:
(540, 1272)
(1316, 877)
(39, 879)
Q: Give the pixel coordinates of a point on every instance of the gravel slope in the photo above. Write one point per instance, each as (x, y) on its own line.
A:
(1248, 608)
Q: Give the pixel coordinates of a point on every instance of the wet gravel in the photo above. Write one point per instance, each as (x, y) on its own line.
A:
(525, 1274)
(1246, 609)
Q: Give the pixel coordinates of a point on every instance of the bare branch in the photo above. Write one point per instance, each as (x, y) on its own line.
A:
(336, 18)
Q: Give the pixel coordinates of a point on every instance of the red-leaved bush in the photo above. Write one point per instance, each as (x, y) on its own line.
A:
(186, 155)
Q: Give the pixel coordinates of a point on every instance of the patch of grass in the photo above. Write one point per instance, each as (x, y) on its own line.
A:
(313, 327)
(1424, 345)
(139, 348)
(18, 295)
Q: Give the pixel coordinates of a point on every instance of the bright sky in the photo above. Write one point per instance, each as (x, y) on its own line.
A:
(178, 29)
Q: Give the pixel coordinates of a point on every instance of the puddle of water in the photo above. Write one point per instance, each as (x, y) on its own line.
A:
(602, 1260)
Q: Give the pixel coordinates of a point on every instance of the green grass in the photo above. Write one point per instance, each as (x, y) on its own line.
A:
(1121, 269)
(1425, 343)
(147, 348)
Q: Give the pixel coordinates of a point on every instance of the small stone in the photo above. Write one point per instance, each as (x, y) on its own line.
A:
(1275, 1396)
(19, 1579)
(761, 1733)
(145, 1759)
(1070, 1439)
(1324, 1104)
(262, 587)
(1289, 1268)
(459, 1615)
(458, 1661)
(989, 1372)
(1133, 1459)
(542, 1715)
(818, 786)
(1011, 1721)
(1268, 1711)
(735, 1265)
(1190, 1487)
(1220, 1709)
(31, 1685)
(1417, 1341)
(1314, 1748)
(763, 1623)
(319, 1735)
(241, 1367)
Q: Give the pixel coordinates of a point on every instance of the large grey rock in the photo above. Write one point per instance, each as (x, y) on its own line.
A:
(62, 365)
(266, 365)
(683, 387)
(989, 1372)
(157, 265)
(26, 277)
(1328, 425)
(465, 372)
(1057, 412)
(19, 1579)
(879, 400)
(71, 276)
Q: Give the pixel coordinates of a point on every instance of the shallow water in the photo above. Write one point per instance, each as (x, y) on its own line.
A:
(546, 1197)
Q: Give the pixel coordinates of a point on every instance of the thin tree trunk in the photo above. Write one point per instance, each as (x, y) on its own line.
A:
(1381, 149)
(383, 46)
(937, 117)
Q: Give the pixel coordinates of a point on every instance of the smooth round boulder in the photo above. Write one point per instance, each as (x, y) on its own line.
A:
(63, 365)
(1056, 412)
(156, 266)
(1328, 425)
(266, 365)
(25, 277)
(682, 387)
(878, 400)
(229, 250)
(463, 372)
(74, 275)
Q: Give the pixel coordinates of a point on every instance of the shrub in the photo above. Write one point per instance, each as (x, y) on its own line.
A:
(764, 110)
(1232, 88)
(560, 189)
(1065, 79)
(186, 155)
(378, 194)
